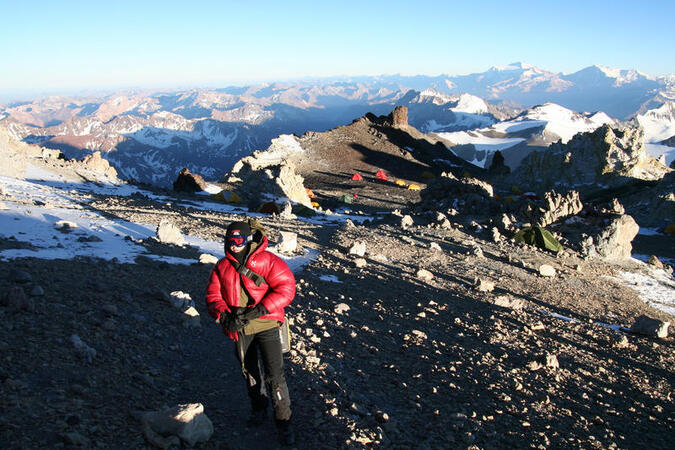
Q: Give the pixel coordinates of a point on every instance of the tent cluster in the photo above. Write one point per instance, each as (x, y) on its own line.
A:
(382, 176)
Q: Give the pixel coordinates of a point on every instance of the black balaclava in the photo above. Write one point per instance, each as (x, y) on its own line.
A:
(234, 229)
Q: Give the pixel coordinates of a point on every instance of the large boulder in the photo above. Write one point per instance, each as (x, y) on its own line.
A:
(271, 174)
(189, 182)
(650, 327)
(168, 233)
(608, 156)
(613, 242)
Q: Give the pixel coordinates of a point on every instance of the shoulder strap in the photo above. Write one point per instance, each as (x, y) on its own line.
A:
(248, 273)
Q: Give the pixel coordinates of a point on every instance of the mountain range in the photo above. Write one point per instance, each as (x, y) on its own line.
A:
(149, 136)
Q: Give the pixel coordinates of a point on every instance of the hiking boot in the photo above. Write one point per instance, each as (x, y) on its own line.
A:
(257, 418)
(285, 432)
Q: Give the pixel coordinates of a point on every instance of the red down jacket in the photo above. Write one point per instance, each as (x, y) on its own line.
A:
(224, 289)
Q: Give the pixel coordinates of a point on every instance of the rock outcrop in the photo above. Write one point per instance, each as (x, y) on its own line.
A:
(498, 166)
(271, 174)
(399, 116)
(189, 182)
(613, 242)
(96, 163)
(556, 206)
(465, 194)
(608, 157)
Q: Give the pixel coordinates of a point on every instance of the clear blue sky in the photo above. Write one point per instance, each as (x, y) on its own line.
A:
(71, 45)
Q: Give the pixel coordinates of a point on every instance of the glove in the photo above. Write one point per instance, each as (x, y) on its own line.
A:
(248, 314)
(231, 322)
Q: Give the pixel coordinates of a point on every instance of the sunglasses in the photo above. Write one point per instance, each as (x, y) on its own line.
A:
(237, 240)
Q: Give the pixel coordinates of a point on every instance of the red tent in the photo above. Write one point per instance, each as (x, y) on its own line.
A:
(381, 175)
(357, 177)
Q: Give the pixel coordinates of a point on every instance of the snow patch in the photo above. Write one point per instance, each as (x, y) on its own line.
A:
(656, 288)
(330, 278)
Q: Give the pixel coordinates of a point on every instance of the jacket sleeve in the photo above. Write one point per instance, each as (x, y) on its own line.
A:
(214, 297)
(282, 285)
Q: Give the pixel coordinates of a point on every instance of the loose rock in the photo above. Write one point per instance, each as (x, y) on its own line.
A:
(546, 271)
(650, 327)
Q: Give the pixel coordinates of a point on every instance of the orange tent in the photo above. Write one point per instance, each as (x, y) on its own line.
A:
(381, 175)
(357, 177)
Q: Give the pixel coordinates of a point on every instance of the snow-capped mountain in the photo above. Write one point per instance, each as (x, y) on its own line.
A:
(152, 135)
(619, 93)
(434, 111)
(659, 126)
(535, 128)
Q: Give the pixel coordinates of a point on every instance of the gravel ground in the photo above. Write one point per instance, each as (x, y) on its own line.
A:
(380, 357)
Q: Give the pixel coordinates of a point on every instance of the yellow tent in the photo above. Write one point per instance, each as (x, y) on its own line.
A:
(315, 204)
(414, 187)
(226, 197)
(399, 183)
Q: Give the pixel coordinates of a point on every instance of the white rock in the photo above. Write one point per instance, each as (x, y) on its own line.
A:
(476, 251)
(288, 244)
(358, 249)
(407, 221)
(424, 274)
(187, 421)
(483, 285)
(379, 258)
(206, 258)
(168, 233)
(506, 301)
(435, 246)
(552, 361)
(191, 318)
(546, 271)
(181, 300)
(287, 212)
(342, 308)
(419, 334)
(360, 263)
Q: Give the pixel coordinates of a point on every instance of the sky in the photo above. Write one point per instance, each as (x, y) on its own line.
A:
(83, 45)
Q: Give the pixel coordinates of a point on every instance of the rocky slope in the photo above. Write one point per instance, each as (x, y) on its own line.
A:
(427, 333)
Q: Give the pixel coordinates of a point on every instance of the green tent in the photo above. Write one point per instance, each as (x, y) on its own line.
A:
(303, 211)
(345, 198)
(540, 237)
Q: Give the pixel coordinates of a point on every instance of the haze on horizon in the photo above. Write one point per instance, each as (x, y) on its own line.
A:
(75, 46)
